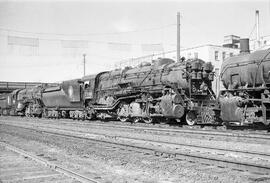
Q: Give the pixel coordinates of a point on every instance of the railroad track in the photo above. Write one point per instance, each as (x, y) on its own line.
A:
(55, 167)
(226, 148)
(198, 154)
(265, 136)
(174, 126)
(121, 137)
(82, 129)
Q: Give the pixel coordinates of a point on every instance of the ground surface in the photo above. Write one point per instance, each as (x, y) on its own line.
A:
(17, 168)
(107, 163)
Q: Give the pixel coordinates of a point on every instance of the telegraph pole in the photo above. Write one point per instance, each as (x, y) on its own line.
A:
(84, 55)
(178, 37)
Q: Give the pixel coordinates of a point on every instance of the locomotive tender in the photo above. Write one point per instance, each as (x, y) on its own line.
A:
(246, 78)
(162, 90)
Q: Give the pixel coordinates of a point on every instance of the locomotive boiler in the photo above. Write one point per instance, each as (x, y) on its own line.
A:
(246, 78)
(162, 90)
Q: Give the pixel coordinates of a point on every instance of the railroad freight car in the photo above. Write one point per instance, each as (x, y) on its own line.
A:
(246, 78)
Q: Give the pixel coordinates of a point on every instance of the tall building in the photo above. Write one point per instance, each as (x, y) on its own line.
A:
(263, 44)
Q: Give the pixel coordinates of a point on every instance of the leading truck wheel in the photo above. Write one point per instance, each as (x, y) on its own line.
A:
(191, 118)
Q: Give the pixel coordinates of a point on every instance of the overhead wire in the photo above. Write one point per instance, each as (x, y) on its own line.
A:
(38, 35)
(88, 34)
(252, 30)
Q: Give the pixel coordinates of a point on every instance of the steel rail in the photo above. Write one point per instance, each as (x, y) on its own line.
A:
(188, 131)
(158, 129)
(148, 140)
(222, 162)
(53, 166)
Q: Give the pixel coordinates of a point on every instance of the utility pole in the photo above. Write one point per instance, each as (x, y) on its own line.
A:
(84, 55)
(178, 37)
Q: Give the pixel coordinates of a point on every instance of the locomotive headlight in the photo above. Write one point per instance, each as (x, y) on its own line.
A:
(20, 105)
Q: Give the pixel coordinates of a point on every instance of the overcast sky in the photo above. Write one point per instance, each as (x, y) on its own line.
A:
(113, 30)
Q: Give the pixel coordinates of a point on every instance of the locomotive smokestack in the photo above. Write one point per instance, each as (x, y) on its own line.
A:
(244, 45)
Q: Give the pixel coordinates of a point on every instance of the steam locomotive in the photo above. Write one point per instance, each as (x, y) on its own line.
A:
(23, 102)
(246, 78)
(161, 90)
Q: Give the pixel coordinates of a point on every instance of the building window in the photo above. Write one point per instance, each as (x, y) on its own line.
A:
(231, 54)
(223, 55)
(196, 55)
(216, 55)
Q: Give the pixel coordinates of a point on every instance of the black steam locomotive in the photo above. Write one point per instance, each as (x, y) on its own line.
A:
(246, 77)
(161, 90)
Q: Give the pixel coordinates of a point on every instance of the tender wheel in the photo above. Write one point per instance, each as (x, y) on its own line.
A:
(148, 120)
(191, 118)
